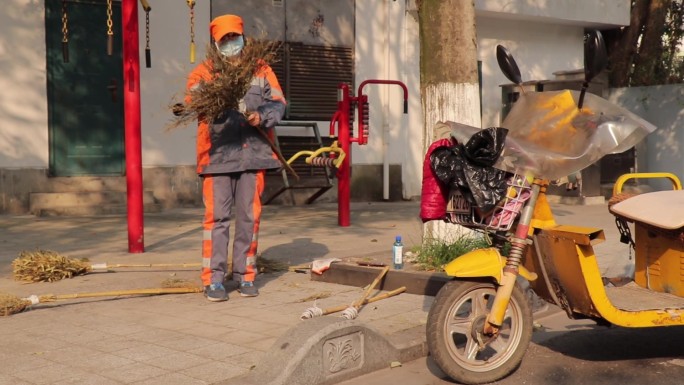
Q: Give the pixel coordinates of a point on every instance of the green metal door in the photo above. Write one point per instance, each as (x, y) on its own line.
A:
(85, 103)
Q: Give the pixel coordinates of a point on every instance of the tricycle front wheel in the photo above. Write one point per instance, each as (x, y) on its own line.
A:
(455, 338)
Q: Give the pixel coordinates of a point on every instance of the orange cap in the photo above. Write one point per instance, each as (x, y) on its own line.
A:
(225, 24)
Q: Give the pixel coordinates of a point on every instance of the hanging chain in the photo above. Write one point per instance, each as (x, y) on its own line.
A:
(110, 23)
(65, 23)
(65, 33)
(625, 234)
(147, 29)
(148, 52)
(110, 32)
(191, 4)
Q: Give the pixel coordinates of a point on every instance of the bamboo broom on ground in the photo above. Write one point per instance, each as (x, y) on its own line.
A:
(11, 304)
(51, 266)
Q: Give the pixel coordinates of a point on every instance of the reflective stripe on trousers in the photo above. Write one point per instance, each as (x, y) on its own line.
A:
(224, 195)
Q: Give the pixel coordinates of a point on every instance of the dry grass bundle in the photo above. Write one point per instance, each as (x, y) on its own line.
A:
(231, 79)
(47, 266)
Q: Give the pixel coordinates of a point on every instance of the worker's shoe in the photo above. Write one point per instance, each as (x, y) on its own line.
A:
(215, 292)
(247, 289)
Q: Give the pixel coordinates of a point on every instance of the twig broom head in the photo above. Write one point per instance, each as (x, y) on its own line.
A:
(10, 304)
(230, 80)
(47, 266)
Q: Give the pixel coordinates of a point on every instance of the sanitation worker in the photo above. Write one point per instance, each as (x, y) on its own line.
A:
(232, 156)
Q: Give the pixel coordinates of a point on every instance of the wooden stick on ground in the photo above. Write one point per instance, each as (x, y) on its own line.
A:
(352, 311)
(359, 302)
(116, 293)
(315, 312)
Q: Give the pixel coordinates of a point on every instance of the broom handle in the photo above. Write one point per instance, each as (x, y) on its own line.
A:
(276, 150)
(105, 266)
(367, 301)
(170, 290)
(359, 302)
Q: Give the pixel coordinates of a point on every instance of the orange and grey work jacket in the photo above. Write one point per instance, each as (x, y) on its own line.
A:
(230, 144)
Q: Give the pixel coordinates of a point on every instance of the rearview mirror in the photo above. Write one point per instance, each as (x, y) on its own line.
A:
(508, 65)
(595, 60)
(595, 55)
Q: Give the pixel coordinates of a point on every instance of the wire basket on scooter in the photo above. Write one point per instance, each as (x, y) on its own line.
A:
(501, 218)
(505, 213)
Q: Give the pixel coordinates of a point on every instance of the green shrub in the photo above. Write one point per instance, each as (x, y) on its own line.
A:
(435, 253)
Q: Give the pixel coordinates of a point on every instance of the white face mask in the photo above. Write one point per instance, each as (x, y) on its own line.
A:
(231, 47)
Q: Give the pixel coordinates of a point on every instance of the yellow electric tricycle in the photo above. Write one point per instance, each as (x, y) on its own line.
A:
(480, 323)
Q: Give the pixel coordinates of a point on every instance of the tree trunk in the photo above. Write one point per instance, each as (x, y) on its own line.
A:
(448, 63)
(449, 79)
(623, 43)
(645, 52)
(648, 64)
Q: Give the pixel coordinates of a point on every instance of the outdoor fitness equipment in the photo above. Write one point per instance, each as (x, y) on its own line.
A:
(343, 119)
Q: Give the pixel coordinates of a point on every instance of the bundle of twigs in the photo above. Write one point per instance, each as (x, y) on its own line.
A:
(11, 304)
(47, 266)
(230, 80)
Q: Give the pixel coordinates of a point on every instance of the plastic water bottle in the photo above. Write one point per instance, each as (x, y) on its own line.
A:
(398, 253)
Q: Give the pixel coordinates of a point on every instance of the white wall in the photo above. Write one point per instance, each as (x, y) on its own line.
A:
(23, 106)
(539, 49)
(599, 13)
(387, 48)
(165, 80)
(662, 151)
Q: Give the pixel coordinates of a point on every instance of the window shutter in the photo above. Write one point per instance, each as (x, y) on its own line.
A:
(309, 76)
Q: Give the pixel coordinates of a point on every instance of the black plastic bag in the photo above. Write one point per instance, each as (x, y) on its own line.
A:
(485, 147)
(469, 168)
(445, 162)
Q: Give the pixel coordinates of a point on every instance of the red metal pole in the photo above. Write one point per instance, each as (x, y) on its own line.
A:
(344, 171)
(131, 92)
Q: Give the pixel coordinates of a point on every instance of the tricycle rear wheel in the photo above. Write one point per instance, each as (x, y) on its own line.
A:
(455, 324)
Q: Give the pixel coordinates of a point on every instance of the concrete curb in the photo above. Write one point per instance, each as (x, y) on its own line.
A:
(327, 350)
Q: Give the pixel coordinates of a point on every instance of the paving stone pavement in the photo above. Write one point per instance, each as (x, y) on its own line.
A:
(183, 338)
